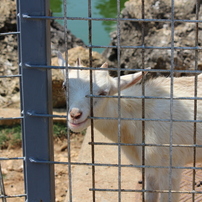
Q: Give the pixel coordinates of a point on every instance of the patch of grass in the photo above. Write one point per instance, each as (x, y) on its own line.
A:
(59, 130)
(11, 136)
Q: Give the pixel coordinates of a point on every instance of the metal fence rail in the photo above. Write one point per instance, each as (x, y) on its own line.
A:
(34, 48)
(36, 105)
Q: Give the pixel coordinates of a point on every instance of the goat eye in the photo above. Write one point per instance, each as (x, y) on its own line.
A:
(64, 86)
(103, 93)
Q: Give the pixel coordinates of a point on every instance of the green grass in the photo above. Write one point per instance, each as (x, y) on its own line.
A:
(59, 130)
(11, 136)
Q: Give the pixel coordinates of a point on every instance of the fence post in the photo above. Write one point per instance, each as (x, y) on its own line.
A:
(34, 48)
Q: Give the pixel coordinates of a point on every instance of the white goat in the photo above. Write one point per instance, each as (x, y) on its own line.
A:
(156, 132)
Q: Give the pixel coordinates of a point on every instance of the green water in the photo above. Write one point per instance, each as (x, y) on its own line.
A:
(100, 9)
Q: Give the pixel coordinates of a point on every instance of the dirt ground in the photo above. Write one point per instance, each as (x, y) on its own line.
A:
(13, 169)
(14, 181)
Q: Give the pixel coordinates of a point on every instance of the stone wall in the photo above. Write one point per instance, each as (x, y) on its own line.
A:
(157, 34)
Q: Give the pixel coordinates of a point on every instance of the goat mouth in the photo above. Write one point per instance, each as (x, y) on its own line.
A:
(77, 124)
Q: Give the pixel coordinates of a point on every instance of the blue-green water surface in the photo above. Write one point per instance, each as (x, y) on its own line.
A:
(99, 9)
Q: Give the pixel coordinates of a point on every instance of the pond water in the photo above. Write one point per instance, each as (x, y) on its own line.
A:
(79, 8)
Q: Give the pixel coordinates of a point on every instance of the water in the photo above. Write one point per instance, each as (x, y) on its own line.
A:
(100, 9)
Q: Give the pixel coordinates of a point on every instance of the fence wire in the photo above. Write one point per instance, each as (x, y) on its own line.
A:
(5, 193)
(171, 120)
(27, 190)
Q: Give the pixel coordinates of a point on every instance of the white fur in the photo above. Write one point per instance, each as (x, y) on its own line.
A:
(156, 132)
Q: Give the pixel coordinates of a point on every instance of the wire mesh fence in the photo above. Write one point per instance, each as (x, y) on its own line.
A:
(102, 172)
(9, 79)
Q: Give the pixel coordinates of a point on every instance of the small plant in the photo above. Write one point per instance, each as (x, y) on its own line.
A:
(10, 136)
(3, 140)
(59, 130)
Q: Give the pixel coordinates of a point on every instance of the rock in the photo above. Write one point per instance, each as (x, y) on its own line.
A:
(9, 55)
(83, 54)
(19, 169)
(4, 171)
(63, 147)
(8, 43)
(160, 9)
(58, 39)
(157, 34)
(7, 16)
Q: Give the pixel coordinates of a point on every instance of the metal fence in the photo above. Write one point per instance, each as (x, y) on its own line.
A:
(36, 105)
(34, 48)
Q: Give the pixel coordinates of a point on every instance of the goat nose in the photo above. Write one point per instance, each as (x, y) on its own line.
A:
(75, 113)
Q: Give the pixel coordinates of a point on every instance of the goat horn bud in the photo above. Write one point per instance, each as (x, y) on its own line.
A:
(105, 65)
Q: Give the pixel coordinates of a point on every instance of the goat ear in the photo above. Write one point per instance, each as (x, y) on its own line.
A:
(78, 62)
(126, 81)
(64, 75)
(61, 60)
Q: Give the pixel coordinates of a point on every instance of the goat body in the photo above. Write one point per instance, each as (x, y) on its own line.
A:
(166, 122)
